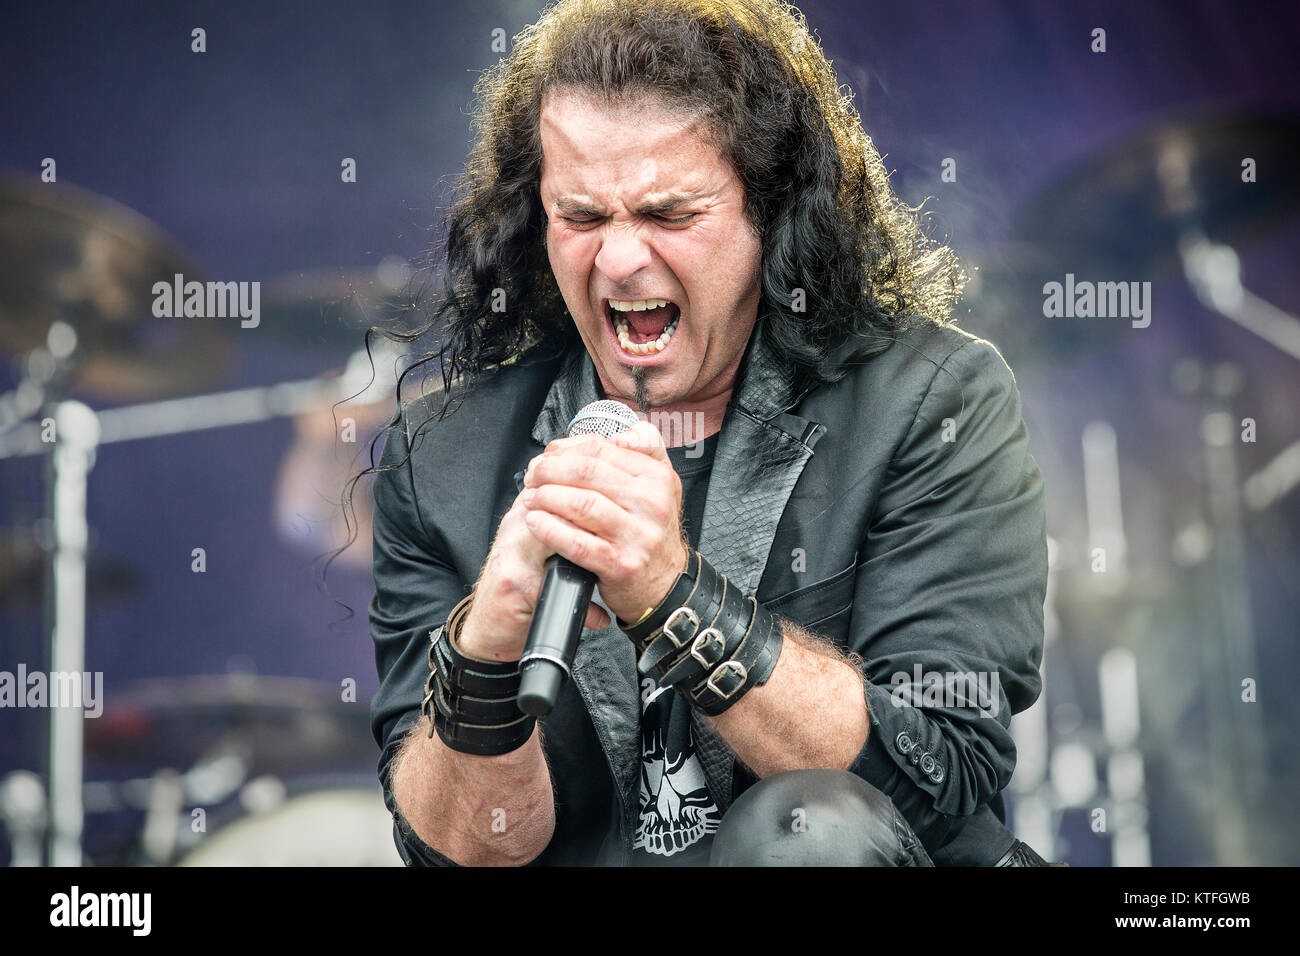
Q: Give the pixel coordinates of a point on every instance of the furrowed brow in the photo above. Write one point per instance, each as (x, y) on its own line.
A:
(667, 204)
(575, 207)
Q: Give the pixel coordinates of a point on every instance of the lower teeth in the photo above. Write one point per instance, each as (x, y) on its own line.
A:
(644, 348)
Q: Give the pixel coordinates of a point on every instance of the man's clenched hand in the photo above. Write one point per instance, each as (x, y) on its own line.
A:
(612, 506)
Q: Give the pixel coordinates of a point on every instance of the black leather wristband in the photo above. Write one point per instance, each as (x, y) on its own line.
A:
(457, 706)
(682, 624)
(468, 675)
(486, 679)
(645, 629)
(484, 741)
(471, 704)
(712, 645)
(749, 667)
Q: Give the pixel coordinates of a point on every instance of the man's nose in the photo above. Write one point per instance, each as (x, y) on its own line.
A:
(622, 253)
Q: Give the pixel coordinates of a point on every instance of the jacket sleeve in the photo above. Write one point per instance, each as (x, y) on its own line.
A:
(416, 588)
(948, 610)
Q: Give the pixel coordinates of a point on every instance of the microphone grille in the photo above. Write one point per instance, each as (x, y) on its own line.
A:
(603, 418)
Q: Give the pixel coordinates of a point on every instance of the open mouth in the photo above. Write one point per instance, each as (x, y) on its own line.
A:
(643, 326)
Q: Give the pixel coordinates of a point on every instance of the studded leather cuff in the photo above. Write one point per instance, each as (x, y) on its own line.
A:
(472, 704)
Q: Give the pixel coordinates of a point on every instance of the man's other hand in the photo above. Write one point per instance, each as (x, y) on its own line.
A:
(506, 594)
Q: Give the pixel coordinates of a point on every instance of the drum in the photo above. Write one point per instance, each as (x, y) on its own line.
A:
(333, 827)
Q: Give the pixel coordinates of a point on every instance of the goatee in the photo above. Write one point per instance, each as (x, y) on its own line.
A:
(639, 395)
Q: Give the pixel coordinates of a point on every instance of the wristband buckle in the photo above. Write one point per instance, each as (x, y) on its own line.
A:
(686, 614)
(734, 667)
(707, 636)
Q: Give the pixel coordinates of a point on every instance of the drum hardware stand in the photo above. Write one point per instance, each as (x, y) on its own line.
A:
(1051, 778)
(1117, 669)
(78, 432)
(1237, 741)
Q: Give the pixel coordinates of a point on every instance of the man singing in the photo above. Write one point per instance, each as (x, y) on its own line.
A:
(819, 594)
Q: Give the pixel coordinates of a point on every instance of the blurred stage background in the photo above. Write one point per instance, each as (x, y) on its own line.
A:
(228, 690)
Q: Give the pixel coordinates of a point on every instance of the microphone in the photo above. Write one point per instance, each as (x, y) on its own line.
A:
(566, 591)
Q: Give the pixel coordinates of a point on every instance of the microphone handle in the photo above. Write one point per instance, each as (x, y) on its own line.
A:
(553, 635)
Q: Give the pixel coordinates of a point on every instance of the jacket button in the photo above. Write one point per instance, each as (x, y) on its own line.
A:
(904, 743)
(937, 776)
(927, 765)
(917, 754)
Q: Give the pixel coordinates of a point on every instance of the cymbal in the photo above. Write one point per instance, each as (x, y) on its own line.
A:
(274, 724)
(69, 254)
(1119, 214)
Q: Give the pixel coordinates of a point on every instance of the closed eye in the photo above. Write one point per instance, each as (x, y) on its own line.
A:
(666, 220)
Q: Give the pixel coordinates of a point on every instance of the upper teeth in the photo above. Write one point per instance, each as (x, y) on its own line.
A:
(637, 305)
(621, 327)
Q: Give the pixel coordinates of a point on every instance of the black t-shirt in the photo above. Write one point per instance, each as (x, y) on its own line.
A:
(678, 815)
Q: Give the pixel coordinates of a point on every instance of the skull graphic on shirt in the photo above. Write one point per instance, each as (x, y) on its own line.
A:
(677, 809)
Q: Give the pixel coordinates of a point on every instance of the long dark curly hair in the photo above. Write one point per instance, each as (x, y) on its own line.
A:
(845, 263)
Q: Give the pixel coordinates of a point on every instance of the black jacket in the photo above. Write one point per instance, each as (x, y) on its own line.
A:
(897, 511)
